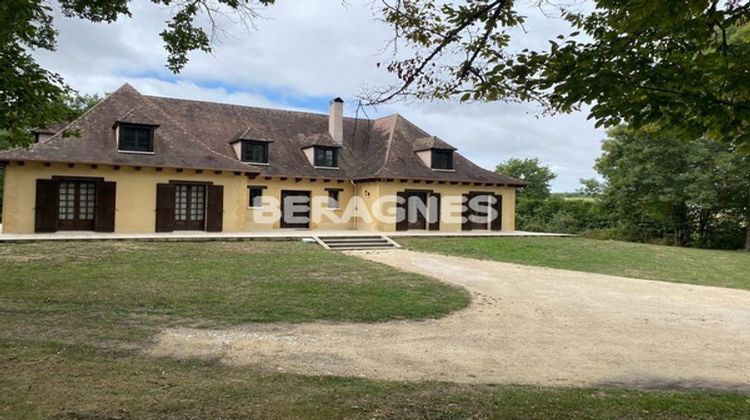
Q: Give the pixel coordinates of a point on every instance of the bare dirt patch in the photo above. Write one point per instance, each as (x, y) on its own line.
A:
(526, 325)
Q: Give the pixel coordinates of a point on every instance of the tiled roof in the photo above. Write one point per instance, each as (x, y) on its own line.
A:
(197, 134)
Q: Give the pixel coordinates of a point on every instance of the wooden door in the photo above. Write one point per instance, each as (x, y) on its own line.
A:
(190, 207)
(165, 195)
(295, 209)
(497, 222)
(477, 211)
(215, 208)
(402, 222)
(76, 205)
(416, 206)
(45, 212)
(412, 211)
(105, 206)
(433, 204)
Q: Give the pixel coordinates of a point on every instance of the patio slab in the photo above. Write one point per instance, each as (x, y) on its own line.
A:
(278, 234)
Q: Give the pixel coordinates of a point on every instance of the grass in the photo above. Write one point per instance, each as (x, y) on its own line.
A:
(230, 282)
(75, 316)
(52, 380)
(654, 262)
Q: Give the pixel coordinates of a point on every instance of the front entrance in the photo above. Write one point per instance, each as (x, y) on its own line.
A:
(418, 210)
(76, 205)
(295, 209)
(189, 207)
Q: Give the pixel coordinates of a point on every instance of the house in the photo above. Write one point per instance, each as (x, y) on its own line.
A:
(138, 164)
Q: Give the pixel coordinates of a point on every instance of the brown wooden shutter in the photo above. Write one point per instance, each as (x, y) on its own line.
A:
(45, 212)
(402, 223)
(215, 208)
(466, 223)
(164, 207)
(497, 223)
(434, 211)
(105, 206)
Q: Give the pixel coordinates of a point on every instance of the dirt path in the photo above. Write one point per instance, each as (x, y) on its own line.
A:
(527, 325)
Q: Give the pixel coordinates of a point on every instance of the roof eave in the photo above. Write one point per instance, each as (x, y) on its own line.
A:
(426, 179)
(7, 160)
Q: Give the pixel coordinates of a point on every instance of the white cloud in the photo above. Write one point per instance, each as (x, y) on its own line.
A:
(311, 50)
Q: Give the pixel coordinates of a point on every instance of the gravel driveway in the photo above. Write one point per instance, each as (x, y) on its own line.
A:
(526, 325)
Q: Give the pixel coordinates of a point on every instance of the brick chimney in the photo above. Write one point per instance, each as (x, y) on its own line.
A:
(336, 120)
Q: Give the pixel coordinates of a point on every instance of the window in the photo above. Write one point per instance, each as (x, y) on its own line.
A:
(326, 157)
(66, 201)
(254, 152)
(136, 138)
(442, 159)
(256, 196)
(333, 199)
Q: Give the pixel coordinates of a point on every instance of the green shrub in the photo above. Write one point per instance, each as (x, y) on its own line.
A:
(560, 215)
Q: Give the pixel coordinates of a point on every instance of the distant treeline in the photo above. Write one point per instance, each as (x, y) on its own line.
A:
(656, 189)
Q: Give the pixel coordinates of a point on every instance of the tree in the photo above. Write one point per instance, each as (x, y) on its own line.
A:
(537, 210)
(680, 64)
(31, 96)
(695, 192)
(73, 107)
(591, 186)
(676, 66)
(531, 171)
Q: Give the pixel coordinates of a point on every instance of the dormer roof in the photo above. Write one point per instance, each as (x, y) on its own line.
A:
(431, 142)
(318, 139)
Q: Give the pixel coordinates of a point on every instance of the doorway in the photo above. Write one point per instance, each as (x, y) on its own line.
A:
(190, 207)
(418, 210)
(482, 211)
(76, 205)
(295, 209)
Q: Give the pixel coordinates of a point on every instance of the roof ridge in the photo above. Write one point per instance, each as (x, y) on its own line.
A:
(396, 116)
(290, 111)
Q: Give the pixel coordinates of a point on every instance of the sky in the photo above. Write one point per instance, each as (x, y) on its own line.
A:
(301, 54)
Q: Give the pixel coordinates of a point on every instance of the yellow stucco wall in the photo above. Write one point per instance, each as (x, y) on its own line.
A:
(322, 217)
(369, 193)
(136, 198)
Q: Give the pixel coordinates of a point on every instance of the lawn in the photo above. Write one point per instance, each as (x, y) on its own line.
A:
(53, 380)
(74, 318)
(654, 262)
(221, 282)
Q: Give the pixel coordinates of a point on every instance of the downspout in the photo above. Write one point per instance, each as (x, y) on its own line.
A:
(356, 195)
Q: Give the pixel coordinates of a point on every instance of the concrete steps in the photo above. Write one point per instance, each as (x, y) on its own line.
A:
(358, 242)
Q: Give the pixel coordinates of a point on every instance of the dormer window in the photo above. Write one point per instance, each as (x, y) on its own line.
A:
(135, 138)
(326, 157)
(442, 159)
(254, 151)
(434, 153)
